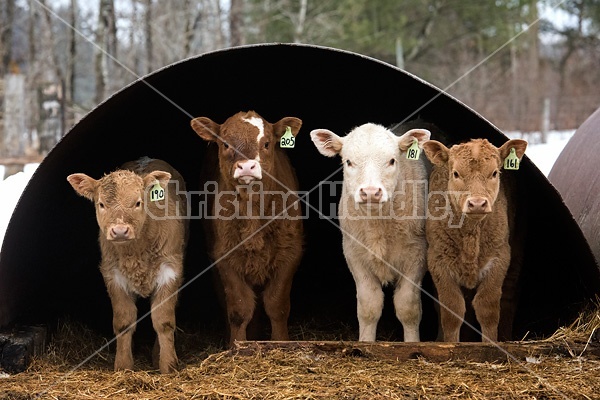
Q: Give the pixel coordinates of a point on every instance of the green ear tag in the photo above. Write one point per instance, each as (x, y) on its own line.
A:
(413, 151)
(157, 192)
(512, 161)
(288, 141)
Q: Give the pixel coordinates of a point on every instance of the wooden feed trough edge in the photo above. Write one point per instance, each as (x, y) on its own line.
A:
(430, 351)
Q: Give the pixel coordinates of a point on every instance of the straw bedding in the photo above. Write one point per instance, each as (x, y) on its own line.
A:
(74, 368)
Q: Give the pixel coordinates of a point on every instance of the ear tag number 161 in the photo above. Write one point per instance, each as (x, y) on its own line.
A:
(288, 141)
(512, 161)
(157, 192)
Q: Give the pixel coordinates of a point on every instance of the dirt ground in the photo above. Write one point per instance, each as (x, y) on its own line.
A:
(78, 365)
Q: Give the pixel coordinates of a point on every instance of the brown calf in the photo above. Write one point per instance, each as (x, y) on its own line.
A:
(142, 244)
(255, 233)
(467, 230)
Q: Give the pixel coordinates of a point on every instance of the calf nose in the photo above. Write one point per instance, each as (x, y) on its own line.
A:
(371, 194)
(246, 167)
(247, 171)
(120, 232)
(478, 205)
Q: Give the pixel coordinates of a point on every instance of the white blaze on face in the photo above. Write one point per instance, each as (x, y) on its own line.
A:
(371, 172)
(259, 124)
(249, 170)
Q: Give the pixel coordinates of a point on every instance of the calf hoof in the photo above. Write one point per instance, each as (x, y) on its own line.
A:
(121, 365)
(167, 367)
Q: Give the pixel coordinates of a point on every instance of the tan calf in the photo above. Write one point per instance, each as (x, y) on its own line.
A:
(467, 230)
(142, 244)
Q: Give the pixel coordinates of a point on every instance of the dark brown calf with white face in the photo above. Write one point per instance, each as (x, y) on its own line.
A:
(471, 252)
(256, 234)
(142, 244)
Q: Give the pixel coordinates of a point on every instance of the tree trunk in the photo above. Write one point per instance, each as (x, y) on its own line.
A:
(6, 37)
(100, 59)
(299, 30)
(148, 36)
(236, 21)
(70, 89)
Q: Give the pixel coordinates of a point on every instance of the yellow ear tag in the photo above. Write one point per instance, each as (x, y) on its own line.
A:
(413, 151)
(288, 141)
(157, 192)
(512, 161)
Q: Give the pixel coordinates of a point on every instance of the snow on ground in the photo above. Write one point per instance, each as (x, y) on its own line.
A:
(542, 155)
(10, 192)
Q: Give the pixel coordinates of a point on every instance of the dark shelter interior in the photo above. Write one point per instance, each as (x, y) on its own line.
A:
(49, 259)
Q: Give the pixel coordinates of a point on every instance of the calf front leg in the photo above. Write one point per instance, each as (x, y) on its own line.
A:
(124, 323)
(369, 296)
(452, 304)
(240, 301)
(487, 301)
(276, 299)
(407, 302)
(163, 306)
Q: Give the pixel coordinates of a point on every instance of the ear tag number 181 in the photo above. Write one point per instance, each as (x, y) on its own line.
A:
(511, 161)
(413, 151)
(157, 192)
(288, 141)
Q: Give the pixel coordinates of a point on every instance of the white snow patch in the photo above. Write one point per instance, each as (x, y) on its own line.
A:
(543, 155)
(10, 192)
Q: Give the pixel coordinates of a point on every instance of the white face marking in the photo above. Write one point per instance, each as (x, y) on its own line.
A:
(165, 275)
(258, 123)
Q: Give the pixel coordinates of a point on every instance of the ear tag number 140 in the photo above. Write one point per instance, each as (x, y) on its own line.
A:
(157, 192)
(413, 151)
(288, 141)
(511, 161)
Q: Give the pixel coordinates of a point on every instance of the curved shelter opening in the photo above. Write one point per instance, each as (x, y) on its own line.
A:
(49, 259)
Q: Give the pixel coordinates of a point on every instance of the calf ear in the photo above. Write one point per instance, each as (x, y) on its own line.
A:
(436, 152)
(161, 176)
(280, 126)
(328, 143)
(206, 128)
(406, 140)
(518, 144)
(84, 185)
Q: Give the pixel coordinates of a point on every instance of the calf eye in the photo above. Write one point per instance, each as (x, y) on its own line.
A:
(392, 161)
(138, 204)
(101, 205)
(349, 163)
(495, 174)
(455, 174)
(266, 145)
(225, 145)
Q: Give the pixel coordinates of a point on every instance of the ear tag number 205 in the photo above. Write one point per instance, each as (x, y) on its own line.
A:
(512, 161)
(413, 151)
(157, 192)
(288, 141)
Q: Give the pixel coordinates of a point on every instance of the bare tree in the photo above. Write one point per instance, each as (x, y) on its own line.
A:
(148, 36)
(6, 35)
(236, 22)
(70, 84)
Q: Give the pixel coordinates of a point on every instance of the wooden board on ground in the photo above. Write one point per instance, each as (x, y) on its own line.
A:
(432, 351)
